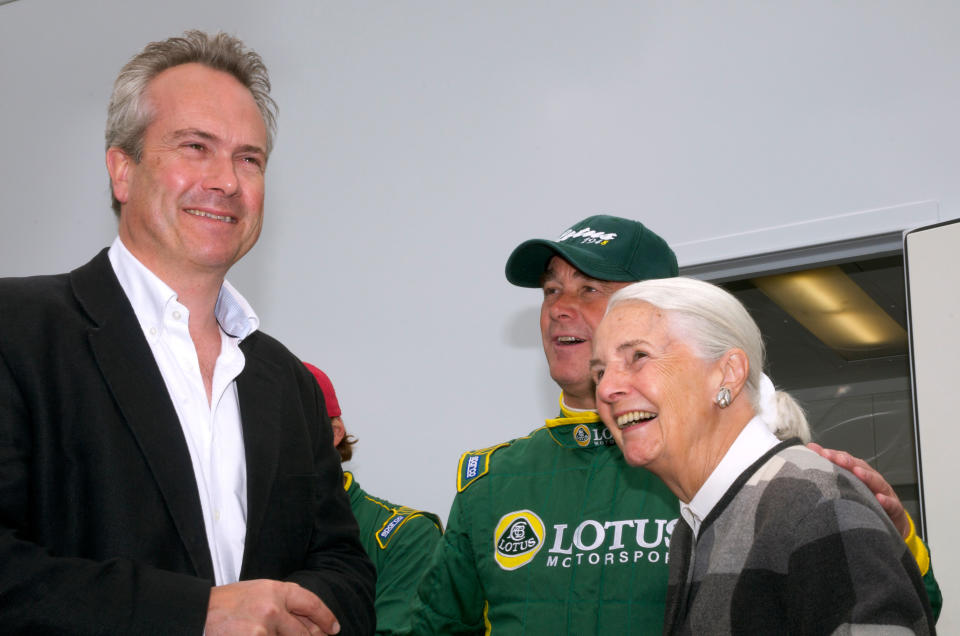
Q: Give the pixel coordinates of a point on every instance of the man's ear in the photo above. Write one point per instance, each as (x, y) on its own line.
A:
(339, 430)
(736, 369)
(119, 166)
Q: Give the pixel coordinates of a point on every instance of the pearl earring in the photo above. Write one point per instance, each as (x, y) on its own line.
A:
(724, 397)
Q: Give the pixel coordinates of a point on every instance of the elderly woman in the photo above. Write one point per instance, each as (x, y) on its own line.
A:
(775, 538)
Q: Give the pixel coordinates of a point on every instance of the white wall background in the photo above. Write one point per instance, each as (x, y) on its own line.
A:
(420, 141)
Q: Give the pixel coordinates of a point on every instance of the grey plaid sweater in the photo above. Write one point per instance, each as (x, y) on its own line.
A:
(795, 546)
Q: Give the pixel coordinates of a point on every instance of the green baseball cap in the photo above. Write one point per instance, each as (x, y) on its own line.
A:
(602, 247)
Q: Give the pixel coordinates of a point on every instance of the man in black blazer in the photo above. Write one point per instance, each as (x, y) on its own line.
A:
(165, 467)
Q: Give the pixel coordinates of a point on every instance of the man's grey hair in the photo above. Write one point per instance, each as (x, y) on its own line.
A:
(711, 321)
(130, 112)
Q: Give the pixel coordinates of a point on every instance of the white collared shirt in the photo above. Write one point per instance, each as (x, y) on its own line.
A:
(212, 431)
(753, 441)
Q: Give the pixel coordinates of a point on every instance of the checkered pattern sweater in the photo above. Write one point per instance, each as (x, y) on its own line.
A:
(795, 546)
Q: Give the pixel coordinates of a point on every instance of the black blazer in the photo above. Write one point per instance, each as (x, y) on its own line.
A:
(100, 522)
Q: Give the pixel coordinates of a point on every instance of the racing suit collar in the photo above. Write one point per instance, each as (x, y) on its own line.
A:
(578, 429)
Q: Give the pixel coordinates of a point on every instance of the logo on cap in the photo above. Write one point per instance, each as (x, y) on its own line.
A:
(588, 236)
(517, 539)
(581, 435)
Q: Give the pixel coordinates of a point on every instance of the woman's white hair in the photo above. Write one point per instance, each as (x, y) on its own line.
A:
(713, 322)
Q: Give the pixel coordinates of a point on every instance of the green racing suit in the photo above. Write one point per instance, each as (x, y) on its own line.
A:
(551, 534)
(399, 541)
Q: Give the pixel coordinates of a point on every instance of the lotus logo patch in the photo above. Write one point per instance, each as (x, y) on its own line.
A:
(517, 539)
(581, 435)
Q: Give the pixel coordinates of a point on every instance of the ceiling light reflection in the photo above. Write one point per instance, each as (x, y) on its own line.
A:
(837, 311)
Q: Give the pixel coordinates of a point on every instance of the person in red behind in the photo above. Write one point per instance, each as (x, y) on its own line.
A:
(398, 539)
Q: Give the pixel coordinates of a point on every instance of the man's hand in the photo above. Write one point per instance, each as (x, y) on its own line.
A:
(875, 482)
(267, 607)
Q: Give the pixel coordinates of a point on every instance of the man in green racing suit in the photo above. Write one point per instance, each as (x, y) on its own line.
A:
(549, 533)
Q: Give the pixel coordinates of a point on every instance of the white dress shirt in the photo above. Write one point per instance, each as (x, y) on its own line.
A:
(212, 430)
(753, 441)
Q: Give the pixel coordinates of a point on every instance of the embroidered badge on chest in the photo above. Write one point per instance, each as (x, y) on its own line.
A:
(585, 436)
(517, 539)
(581, 435)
